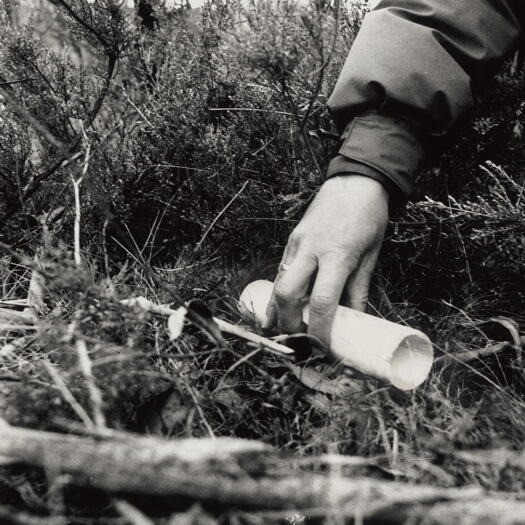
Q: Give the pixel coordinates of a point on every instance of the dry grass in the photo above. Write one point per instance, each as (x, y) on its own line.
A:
(443, 434)
(199, 153)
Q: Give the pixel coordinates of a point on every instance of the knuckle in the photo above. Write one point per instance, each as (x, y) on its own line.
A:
(349, 256)
(341, 256)
(359, 302)
(321, 304)
(290, 325)
(361, 296)
(284, 293)
(296, 236)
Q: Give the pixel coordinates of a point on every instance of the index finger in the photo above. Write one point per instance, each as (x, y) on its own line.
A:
(271, 310)
(328, 288)
(290, 292)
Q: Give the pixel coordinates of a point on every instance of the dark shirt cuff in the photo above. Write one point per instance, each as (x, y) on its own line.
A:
(341, 165)
(383, 148)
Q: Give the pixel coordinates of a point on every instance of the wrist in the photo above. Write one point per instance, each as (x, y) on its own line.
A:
(358, 185)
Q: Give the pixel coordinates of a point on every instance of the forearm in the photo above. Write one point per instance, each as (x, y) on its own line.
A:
(411, 73)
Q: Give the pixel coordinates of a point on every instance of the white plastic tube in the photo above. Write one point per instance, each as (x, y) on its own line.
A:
(376, 347)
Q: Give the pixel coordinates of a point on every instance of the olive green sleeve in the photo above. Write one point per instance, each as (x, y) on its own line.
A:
(413, 71)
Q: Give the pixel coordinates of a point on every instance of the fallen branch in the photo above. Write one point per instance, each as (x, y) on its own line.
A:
(245, 474)
(487, 510)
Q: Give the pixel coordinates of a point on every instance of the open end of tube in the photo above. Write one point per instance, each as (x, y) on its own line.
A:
(411, 362)
(255, 298)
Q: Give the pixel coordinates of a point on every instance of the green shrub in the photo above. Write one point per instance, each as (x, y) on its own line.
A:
(199, 138)
(211, 128)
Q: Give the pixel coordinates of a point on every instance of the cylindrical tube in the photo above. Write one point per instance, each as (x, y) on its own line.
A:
(392, 352)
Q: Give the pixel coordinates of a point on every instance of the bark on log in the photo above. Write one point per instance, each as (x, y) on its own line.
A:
(486, 511)
(242, 473)
(12, 318)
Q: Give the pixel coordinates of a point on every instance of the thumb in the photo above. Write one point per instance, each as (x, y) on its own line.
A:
(358, 285)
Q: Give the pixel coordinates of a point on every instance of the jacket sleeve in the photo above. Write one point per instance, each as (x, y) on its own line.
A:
(412, 72)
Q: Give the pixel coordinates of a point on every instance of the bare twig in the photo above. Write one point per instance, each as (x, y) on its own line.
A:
(224, 326)
(36, 293)
(17, 327)
(201, 413)
(94, 392)
(243, 333)
(10, 82)
(42, 129)
(472, 355)
(208, 229)
(235, 365)
(10, 348)
(14, 302)
(78, 210)
(382, 429)
(14, 317)
(254, 110)
(71, 12)
(133, 515)
(68, 396)
(187, 267)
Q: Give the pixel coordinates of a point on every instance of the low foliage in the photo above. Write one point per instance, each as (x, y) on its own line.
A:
(197, 139)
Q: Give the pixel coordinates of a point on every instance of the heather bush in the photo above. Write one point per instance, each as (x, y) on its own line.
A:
(212, 126)
(195, 139)
(205, 133)
(465, 224)
(182, 114)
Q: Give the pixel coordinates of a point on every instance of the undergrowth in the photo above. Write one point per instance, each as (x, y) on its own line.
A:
(196, 140)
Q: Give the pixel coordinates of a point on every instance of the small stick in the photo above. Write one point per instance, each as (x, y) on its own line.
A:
(222, 212)
(224, 326)
(14, 302)
(133, 515)
(11, 82)
(207, 426)
(94, 392)
(68, 396)
(243, 333)
(9, 316)
(10, 348)
(238, 363)
(17, 327)
(471, 355)
(78, 209)
(254, 110)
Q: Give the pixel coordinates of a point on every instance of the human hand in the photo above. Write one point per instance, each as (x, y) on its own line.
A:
(335, 246)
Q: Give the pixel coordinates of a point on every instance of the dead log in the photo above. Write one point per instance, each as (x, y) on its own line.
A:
(10, 319)
(239, 473)
(487, 510)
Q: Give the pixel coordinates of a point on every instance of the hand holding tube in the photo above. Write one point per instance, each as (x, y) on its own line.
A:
(335, 246)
